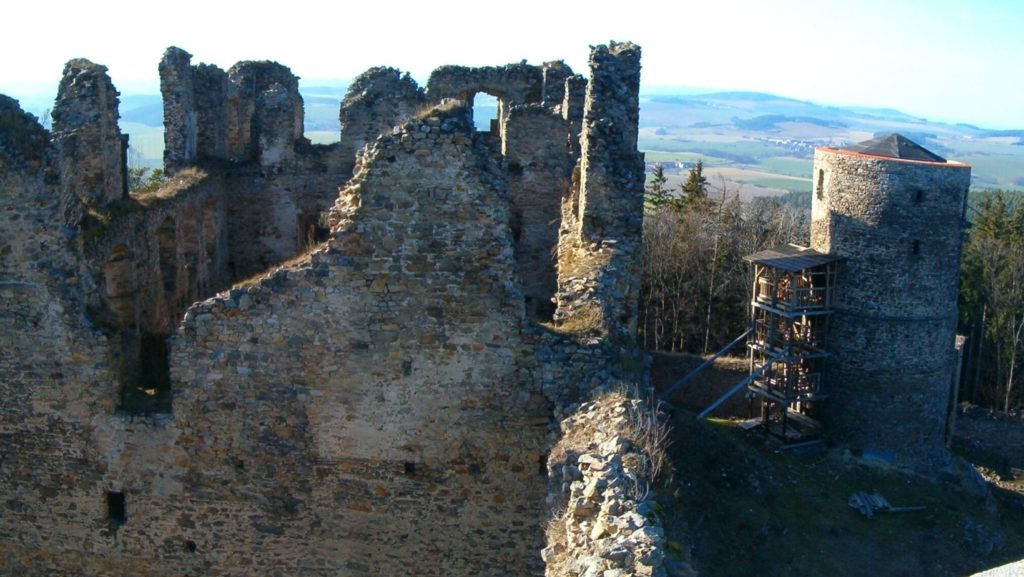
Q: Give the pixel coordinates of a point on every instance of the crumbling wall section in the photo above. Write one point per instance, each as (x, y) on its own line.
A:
(538, 177)
(211, 93)
(251, 113)
(377, 101)
(520, 83)
(181, 126)
(265, 112)
(91, 151)
(554, 75)
(378, 417)
(602, 218)
(278, 186)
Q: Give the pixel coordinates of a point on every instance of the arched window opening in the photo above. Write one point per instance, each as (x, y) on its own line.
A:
(485, 113)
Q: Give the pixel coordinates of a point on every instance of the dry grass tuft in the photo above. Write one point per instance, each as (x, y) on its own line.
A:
(294, 262)
(445, 106)
(181, 181)
(585, 320)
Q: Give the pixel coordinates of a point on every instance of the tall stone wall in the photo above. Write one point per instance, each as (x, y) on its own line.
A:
(280, 186)
(92, 152)
(265, 112)
(538, 179)
(211, 96)
(899, 226)
(382, 376)
(181, 126)
(602, 218)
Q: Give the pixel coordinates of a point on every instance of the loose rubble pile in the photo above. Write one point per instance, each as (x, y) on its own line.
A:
(601, 483)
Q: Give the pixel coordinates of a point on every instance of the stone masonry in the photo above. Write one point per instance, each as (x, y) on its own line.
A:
(602, 218)
(308, 360)
(899, 226)
(92, 151)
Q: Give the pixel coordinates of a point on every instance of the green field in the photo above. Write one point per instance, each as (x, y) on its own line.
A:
(799, 167)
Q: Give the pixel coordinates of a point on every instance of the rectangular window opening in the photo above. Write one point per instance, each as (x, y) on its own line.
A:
(149, 391)
(117, 510)
(917, 247)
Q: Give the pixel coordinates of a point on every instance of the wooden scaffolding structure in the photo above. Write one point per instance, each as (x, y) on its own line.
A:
(792, 297)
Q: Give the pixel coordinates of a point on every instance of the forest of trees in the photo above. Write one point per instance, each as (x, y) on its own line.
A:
(695, 293)
(992, 300)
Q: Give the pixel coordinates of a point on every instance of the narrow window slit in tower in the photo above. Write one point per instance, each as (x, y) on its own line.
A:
(917, 247)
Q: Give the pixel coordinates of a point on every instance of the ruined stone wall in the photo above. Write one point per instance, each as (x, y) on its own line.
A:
(181, 125)
(554, 74)
(512, 83)
(279, 186)
(382, 378)
(602, 218)
(379, 406)
(899, 225)
(92, 152)
(377, 100)
(251, 113)
(538, 179)
(55, 374)
(211, 93)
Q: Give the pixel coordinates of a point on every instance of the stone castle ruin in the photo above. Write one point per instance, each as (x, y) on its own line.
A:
(354, 358)
(300, 359)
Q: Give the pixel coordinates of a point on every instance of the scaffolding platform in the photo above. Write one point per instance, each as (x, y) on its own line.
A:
(791, 302)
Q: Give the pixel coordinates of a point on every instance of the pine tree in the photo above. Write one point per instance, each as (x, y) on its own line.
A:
(695, 189)
(657, 195)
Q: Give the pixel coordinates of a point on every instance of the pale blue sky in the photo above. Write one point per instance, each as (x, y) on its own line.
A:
(951, 60)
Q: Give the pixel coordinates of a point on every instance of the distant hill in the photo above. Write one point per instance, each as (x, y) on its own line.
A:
(758, 143)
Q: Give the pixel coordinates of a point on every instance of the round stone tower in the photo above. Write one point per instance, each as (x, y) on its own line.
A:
(896, 212)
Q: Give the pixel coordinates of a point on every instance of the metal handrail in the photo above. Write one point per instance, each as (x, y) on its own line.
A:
(667, 392)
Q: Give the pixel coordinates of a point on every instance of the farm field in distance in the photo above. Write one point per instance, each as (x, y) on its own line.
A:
(758, 144)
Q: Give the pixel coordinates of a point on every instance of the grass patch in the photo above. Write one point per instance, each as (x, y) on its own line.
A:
(744, 509)
(783, 183)
(787, 166)
(585, 320)
(182, 180)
